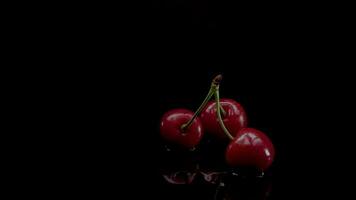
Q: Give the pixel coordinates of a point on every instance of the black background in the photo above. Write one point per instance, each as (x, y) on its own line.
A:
(115, 74)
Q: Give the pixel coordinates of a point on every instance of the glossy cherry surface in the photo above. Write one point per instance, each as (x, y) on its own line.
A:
(251, 148)
(171, 130)
(234, 118)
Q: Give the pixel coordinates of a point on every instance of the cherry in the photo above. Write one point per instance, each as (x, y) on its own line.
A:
(250, 148)
(183, 127)
(172, 129)
(234, 117)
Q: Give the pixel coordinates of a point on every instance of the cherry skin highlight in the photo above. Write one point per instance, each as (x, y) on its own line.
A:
(234, 119)
(250, 148)
(171, 128)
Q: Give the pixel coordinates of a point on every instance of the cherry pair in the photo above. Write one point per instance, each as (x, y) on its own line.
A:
(223, 118)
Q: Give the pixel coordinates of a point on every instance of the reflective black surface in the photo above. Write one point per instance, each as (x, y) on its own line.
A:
(202, 173)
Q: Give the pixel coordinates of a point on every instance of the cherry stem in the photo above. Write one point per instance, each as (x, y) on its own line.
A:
(202, 105)
(214, 86)
(222, 111)
(218, 112)
(216, 83)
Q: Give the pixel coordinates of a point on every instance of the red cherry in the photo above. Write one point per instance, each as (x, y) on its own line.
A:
(234, 119)
(171, 128)
(251, 148)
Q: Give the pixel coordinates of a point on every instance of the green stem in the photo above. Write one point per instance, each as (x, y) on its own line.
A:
(218, 106)
(202, 105)
(222, 111)
(214, 86)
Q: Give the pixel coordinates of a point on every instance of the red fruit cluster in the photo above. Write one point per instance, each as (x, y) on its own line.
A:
(223, 118)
